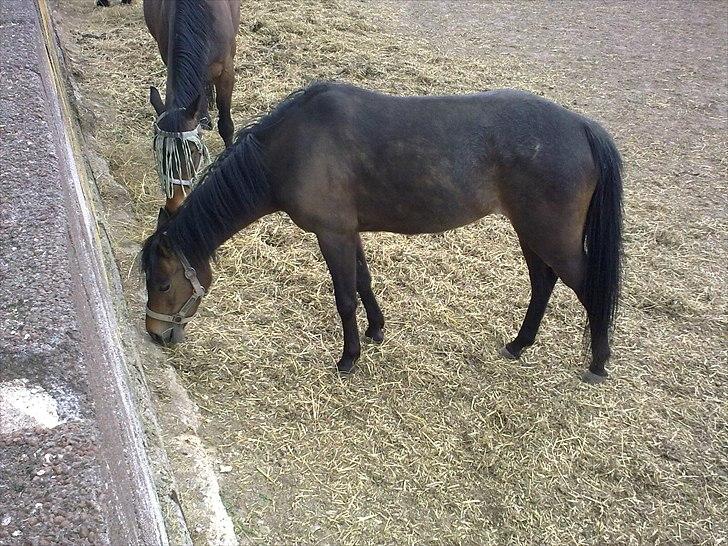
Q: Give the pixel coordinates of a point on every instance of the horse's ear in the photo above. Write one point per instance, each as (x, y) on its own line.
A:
(194, 108)
(164, 246)
(156, 99)
(163, 217)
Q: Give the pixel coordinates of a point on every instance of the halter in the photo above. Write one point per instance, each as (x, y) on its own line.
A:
(167, 157)
(180, 317)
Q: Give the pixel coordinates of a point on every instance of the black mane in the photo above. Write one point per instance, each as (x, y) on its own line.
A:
(188, 62)
(229, 191)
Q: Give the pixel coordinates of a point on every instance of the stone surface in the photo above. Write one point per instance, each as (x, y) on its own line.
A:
(70, 470)
(24, 406)
(40, 336)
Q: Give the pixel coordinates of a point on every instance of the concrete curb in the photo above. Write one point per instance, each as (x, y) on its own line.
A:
(181, 465)
(140, 467)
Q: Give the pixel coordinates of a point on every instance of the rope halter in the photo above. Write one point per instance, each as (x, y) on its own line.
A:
(169, 158)
(198, 291)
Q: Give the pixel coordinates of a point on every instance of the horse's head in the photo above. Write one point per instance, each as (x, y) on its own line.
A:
(174, 286)
(179, 151)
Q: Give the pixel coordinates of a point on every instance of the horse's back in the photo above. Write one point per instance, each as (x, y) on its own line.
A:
(505, 129)
(431, 163)
(510, 124)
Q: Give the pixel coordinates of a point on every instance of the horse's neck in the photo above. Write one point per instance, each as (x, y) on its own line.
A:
(213, 213)
(173, 64)
(171, 61)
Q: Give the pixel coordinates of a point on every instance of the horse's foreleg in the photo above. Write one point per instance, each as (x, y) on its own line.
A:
(339, 250)
(224, 87)
(364, 287)
(204, 116)
(543, 280)
(210, 92)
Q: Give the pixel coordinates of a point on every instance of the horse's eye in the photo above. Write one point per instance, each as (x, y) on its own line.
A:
(165, 287)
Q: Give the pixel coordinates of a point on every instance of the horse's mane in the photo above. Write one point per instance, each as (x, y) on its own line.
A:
(188, 62)
(229, 190)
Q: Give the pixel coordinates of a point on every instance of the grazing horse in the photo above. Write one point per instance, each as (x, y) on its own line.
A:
(196, 39)
(340, 160)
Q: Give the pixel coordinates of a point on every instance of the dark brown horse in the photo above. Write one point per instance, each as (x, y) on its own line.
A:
(196, 39)
(340, 160)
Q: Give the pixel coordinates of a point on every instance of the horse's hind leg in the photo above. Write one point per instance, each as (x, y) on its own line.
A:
(364, 287)
(224, 87)
(573, 271)
(600, 352)
(543, 280)
(570, 267)
(557, 241)
(339, 250)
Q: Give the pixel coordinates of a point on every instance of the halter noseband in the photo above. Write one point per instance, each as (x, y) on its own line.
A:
(167, 156)
(180, 317)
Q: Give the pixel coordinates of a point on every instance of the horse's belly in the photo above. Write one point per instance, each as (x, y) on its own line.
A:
(425, 193)
(410, 215)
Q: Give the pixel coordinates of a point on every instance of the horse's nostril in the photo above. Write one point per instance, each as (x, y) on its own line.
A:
(156, 338)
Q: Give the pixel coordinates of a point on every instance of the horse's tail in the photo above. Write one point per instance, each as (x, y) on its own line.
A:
(603, 231)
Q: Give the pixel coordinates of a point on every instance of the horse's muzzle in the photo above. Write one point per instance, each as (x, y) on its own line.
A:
(171, 336)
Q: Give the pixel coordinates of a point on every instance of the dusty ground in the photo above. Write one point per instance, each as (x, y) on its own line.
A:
(437, 439)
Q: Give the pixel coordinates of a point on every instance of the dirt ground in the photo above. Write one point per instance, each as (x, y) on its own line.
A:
(436, 439)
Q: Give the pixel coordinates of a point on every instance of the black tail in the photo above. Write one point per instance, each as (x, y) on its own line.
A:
(603, 231)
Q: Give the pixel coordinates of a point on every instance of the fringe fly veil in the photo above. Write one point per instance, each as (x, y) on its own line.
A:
(173, 151)
(191, 31)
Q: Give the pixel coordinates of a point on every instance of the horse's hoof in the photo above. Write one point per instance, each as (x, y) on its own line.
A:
(377, 336)
(592, 378)
(505, 353)
(346, 368)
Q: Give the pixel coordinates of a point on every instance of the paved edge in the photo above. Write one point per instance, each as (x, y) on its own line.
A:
(146, 509)
(181, 464)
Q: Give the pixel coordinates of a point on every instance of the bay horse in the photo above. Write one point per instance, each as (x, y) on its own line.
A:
(196, 39)
(340, 160)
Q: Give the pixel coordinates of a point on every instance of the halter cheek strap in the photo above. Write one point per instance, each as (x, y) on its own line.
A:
(198, 291)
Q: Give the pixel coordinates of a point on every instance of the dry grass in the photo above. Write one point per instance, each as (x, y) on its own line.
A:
(436, 439)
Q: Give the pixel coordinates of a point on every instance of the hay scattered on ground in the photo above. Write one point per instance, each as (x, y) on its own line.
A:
(436, 439)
